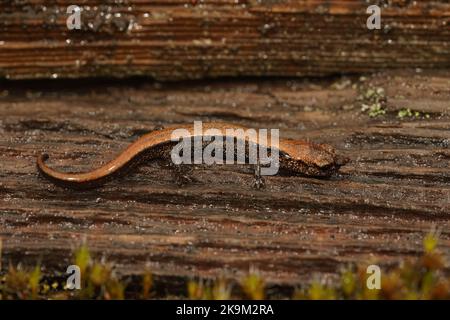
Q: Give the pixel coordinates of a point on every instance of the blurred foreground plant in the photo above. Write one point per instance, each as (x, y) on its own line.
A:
(98, 280)
(423, 278)
(220, 289)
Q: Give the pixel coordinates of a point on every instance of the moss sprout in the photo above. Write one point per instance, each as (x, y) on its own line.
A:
(373, 101)
(408, 113)
(253, 285)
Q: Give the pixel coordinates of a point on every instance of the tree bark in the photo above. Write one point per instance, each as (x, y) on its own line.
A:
(177, 39)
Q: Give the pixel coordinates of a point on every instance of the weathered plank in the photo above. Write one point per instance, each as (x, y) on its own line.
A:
(378, 208)
(177, 39)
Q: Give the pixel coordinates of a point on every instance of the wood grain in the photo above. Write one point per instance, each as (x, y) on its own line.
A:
(175, 39)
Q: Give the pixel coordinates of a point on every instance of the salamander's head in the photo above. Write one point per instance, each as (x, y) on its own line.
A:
(310, 159)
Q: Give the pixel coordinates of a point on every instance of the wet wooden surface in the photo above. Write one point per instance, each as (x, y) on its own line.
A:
(396, 187)
(179, 39)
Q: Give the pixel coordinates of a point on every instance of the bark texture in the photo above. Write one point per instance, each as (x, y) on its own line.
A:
(396, 187)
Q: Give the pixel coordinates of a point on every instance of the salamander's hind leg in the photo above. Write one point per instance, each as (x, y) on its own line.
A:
(182, 173)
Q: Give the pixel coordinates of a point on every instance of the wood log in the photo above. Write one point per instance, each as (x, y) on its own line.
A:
(377, 209)
(175, 39)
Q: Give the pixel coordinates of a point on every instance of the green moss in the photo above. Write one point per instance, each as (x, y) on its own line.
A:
(147, 284)
(20, 283)
(253, 285)
(98, 278)
(198, 290)
(82, 258)
(408, 113)
(373, 101)
(376, 110)
(319, 291)
(220, 289)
